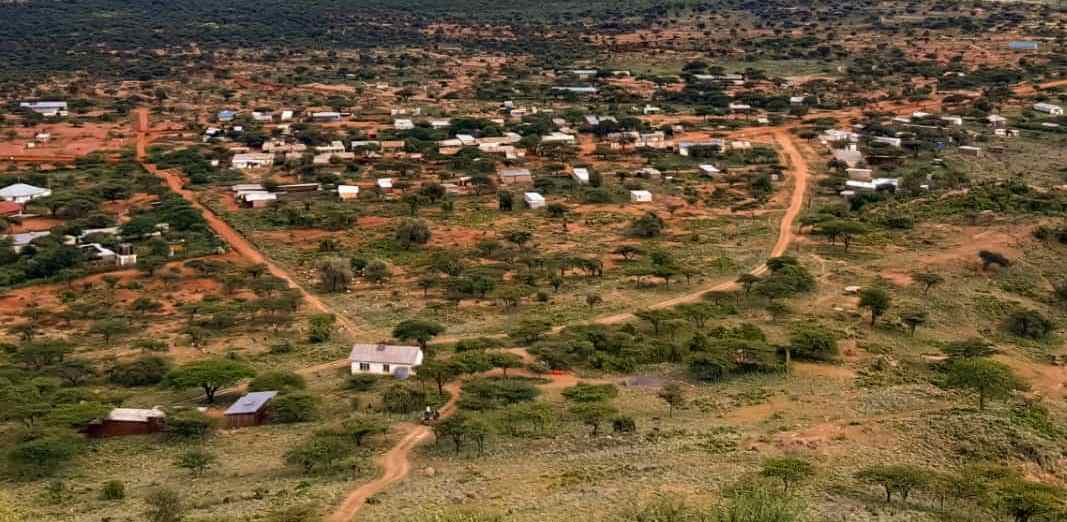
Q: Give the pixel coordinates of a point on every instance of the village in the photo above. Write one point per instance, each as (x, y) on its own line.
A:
(435, 283)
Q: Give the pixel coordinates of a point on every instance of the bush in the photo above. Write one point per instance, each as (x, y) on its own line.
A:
(813, 343)
(42, 457)
(143, 371)
(294, 407)
(113, 490)
(584, 392)
(412, 232)
(486, 394)
(362, 382)
(1029, 324)
(277, 380)
(189, 424)
(623, 424)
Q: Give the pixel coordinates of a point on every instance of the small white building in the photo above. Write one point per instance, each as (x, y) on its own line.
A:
(22, 193)
(580, 175)
(440, 123)
(326, 116)
(47, 108)
(557, 137)
(533, 200)
(709, 170)
(250, 160)
(385, 184)
(403, 124)
(860, 174)
(640, 196)
(954, 120)
(996, 120)
(1048, 108)
(346, 192)
(385, 359)
(888, 140)
(971, 150)
(871, 186)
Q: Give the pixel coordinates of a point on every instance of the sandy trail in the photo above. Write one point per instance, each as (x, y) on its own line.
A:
(236, 241)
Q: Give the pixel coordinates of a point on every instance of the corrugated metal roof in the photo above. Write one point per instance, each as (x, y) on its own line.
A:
(251, 402)
(134, 414)
(386, 353)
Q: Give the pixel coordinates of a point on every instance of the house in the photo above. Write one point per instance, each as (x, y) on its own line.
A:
(23, 193)
(47, 108)
(797, 100)
(250, 160)
(873, 185)
(346, 192)
(247, 187)
(533, 200)
(971, 150)
(99, 253)
(576, 89)
(20, 241)
(557, 137)
(42, 137)
(1048, 108)
(326, 116)
(512, 176)
(1022, 45)
(585, 73)
(580, 175)
(249, 410)
(403, 124)
(850, 157)
(652, 140)
(860, 174)
(262, 116)
(326, 158)
(740, 107)
(440, 123)
(996, 120)
(954, 120)
(887, 140)
(649, 109)
(685, 146)
(385, 184)
(334, 146)
(709, 170)
(10, 208)
(835, 135)
(226, 115)
(257, 199)
(640, 196)
(649, 173)
(287, 115)
(127, 421)
(467, 140)
(385, 359)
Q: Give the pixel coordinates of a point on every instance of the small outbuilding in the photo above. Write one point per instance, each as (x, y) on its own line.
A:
(346, 192)
(580, 175)
(533, 200)
(250, 410)
(23, 193)
(640, 196)
(512, 176)
(127, 421)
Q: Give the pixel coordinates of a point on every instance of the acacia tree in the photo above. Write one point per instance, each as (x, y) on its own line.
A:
(876, 300)
(673, 395)
(209, 375)
(928, 280)
(593, 414)
(986, 378)
(993, 258)
(335, 274)
(789, 470)
(417, 330)
(895, 478)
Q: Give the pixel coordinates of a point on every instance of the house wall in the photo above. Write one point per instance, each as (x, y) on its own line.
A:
(110, 428)
(246, 419)
(378, 368)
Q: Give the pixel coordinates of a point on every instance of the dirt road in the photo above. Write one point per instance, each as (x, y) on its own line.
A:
(798, 167)
(233, 238)
(395, 463)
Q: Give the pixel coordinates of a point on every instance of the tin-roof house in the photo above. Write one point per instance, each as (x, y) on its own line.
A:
(385, 359)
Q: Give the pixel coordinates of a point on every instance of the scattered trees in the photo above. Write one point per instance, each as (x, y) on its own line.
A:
(209, 375)
(789, 470)
(989, 380)
(417, 330)
(876, 300)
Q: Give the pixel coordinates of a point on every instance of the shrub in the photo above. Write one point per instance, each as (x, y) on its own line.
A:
(363, 382)
(189, 424)
(294, 407)
(113, 490)
(1029, 324)
(41, 457)
(584, 392)
(412, 232)
(814, 343)
(143, 371)
(485, 394)
(623, 424)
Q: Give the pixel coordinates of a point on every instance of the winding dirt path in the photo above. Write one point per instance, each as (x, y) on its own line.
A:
(233, 238)
(395, 463)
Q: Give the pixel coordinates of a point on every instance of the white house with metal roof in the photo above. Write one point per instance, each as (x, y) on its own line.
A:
(22, 193)
(385, 359)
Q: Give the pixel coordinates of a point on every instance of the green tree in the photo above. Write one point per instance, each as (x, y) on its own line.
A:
(1023, 500)
(813, 342)
(277, 380)
(294, 407)
(587, 392)
(841, 229)
(990, 380)
(789, 470)
(320, 327)
(109, 328)
(335, 275)
(876, 300)
(439, 372)
(593, 414)
(412, 232)
(895, 478)
(209, 375)
(505, 361)
(673, 395)
(417, 330)
(360, 428)
(913, 319)
(969, 348)
(928, 280)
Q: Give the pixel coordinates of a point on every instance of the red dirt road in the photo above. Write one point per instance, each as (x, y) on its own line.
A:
(233, 238)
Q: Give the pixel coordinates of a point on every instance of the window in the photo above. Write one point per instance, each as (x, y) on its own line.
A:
(364, 367)
(385, 368)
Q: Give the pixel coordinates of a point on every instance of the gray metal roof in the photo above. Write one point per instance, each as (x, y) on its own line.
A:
(386, 353)
(251, 403)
